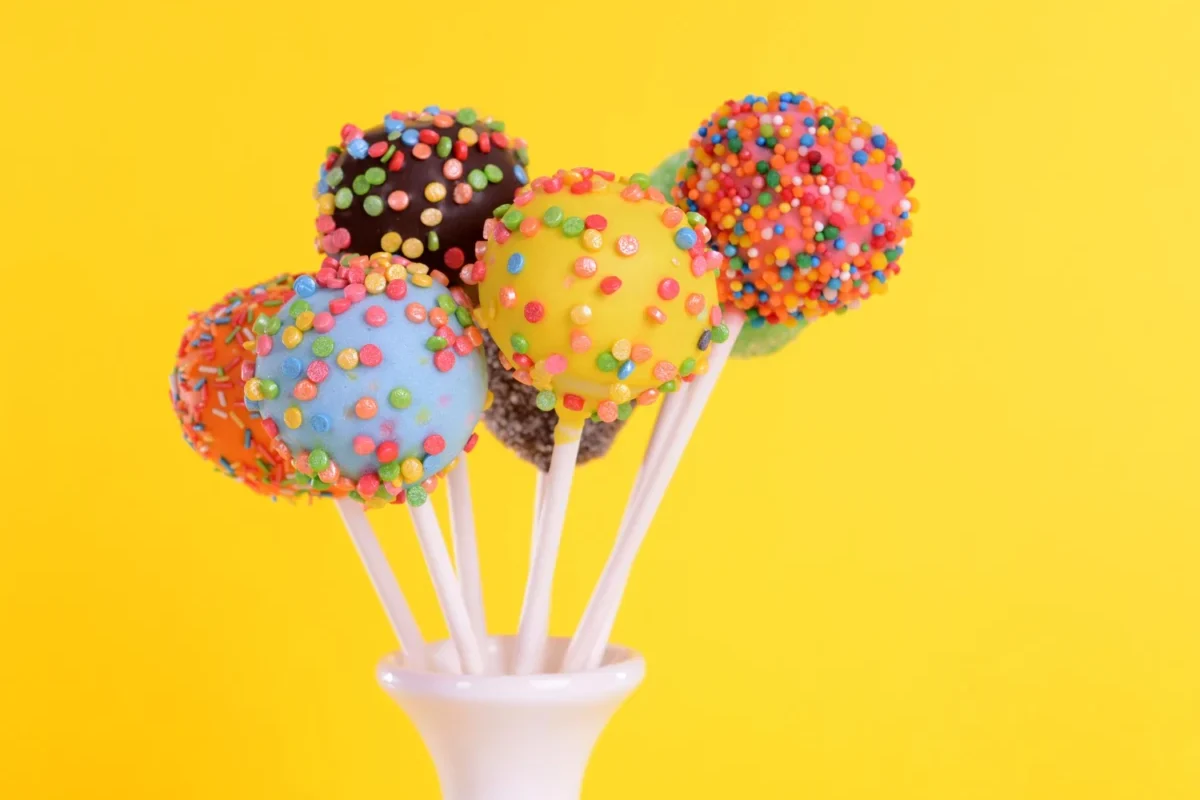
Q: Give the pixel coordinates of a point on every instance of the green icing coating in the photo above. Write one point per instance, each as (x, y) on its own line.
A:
(663, 176)
(764, 340)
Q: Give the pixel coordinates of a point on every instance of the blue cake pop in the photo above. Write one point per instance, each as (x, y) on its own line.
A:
(376, 376)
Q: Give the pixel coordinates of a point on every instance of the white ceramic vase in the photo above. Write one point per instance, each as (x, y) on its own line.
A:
(509, 737)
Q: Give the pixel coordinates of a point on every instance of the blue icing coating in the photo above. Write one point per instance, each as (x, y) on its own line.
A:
(446, 403)
(293, 367)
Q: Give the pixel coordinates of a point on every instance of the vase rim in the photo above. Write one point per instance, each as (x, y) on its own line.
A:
(620, 673)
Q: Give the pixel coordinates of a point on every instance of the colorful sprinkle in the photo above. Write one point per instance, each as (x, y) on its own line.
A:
(546, 400)
(412, 470)
(585, 266)
(534, 311)
(322, 346)
(370, 355)
(685, 238)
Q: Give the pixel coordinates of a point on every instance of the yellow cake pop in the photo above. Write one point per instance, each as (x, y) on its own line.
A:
(599, 292)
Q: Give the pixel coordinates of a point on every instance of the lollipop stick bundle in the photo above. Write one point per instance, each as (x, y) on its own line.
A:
(588, 294)
(466, 550)
(810, 206)
(631, 278)
(673, 431)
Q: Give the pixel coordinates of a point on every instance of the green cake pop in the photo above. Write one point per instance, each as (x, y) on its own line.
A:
(754, 340)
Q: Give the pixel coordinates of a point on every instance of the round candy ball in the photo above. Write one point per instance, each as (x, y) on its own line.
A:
(809, 203)
(421, 185)
(211, 368)
(376, 375)
(514, 419)
(599, 293)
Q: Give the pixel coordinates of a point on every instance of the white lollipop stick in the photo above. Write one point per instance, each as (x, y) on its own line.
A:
(449, 594)
(535, 611)
(466, 550)
(591, 637)
(539, 495)
(666, 421)
(404, 624)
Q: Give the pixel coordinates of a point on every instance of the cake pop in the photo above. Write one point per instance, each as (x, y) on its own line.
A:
(375, 376)
(514, 419)
(598, 293)
(211, 368)
(421, 185)
(808, 202)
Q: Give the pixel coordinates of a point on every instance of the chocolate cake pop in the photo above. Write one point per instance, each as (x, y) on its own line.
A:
(421, 185)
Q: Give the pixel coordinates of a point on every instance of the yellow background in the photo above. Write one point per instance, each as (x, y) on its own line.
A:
(944, 548)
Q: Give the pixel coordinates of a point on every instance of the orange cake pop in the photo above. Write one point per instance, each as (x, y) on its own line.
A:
(211, 368)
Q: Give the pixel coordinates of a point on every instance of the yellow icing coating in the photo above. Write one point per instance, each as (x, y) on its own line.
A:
(598, 290)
